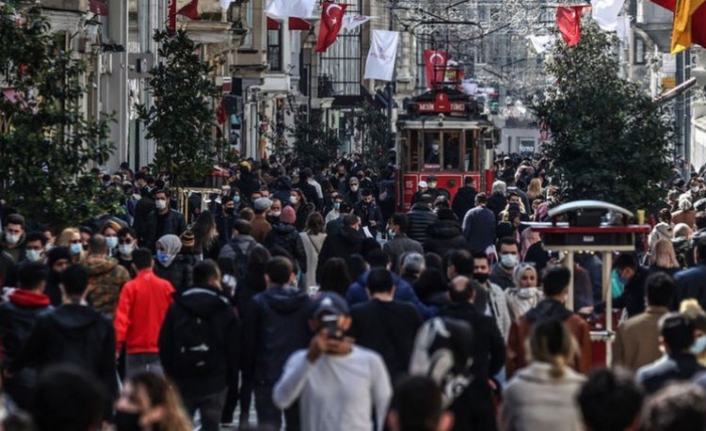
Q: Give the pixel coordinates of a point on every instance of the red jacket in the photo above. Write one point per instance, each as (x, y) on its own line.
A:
(142, 306)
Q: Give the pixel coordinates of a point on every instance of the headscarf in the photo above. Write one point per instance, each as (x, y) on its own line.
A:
(172, 246)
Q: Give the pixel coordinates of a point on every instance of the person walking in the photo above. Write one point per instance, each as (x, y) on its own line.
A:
(313, 240)
(479, 225)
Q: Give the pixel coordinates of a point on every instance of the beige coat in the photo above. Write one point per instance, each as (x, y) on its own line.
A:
(637, 339)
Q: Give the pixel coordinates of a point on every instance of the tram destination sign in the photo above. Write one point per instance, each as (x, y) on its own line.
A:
(442, 104)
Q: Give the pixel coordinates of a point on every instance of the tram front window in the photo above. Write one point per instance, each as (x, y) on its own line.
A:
(441, 151)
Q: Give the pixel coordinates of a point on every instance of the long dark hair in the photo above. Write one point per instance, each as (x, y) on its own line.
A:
(203, 229)
(335, 277)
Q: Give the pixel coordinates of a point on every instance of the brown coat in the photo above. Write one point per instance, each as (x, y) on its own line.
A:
(686, 217)
(637, 339)
(516, 357)
(260, 228)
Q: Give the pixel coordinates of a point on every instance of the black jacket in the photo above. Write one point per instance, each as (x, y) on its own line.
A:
(343, 243)
(310, 193)
(690, 284)
(173, 224)
(276, 325)
(369, 213)
(473, 410)
(211, 305)
(285, 235)
(444, 236)
(633, 297)
(180, 273)
(496, 203)
(143, 208)
(75, 334)
(463, 201)
(672, 367)
(420, 217)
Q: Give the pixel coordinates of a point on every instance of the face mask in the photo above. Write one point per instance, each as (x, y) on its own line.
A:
(276, 213)
(694, 189)
(236, 199)
(125, 421)
(354, 188)
(293, 200)
(160, 204)
(162, 257)
(126, 249)
(12, 239)
(75, 248)
(230, 211)
(34, 255)
(432, 184)
(699, 345)
(481, 278)
(111, 241)
(508, 260)
(337, 205)
(435, 148)
(48, 247)
(390, 233)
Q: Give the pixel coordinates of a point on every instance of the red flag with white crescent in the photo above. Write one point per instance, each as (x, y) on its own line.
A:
(435, 64)
(568, 19)
(331, 23)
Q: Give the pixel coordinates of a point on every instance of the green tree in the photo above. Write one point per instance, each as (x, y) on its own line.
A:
(182, 120)
(374, 128)
(609, 141)
(47, 145)
(314, 145)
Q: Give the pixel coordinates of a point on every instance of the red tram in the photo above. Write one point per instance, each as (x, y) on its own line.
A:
(443, 133)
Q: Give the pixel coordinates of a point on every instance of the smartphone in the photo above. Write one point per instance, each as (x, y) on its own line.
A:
(330, 323)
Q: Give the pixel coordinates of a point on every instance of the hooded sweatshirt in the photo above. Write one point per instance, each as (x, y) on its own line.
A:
(107, 277)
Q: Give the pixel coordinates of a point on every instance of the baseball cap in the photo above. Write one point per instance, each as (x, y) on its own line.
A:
(423, 184)
(330, 302)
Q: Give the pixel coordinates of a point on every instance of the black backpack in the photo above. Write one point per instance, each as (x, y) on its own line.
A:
(196, 344)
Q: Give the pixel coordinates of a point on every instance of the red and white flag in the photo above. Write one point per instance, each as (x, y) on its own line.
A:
(171, 15)
(191, 10)
(435, 66)
(331, 23)
(568, 18)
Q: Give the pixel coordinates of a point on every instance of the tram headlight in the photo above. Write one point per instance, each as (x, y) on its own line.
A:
(441, 120)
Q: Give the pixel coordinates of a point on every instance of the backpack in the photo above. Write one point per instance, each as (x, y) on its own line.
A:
(196, 344)
(241, 259)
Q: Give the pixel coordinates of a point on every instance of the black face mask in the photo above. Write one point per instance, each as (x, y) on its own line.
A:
(230, 211)
(125, 421)
(481, 278)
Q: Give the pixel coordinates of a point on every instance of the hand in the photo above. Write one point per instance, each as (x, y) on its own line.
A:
(317, 346)
(373, 224)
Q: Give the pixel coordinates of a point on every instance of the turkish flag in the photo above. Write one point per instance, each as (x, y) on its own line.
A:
(331, 23)
(221, 114)
(294, 24)
(191, 10)
(435, 65)
(568, 18)
(698, 20)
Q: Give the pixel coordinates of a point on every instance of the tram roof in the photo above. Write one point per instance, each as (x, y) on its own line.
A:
(431, 122)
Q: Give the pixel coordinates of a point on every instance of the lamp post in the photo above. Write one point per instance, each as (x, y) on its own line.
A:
(309, 44)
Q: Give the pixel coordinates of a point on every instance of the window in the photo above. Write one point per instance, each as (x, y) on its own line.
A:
(247, 40)
(274, 50)
(342, 61)
(640, 54)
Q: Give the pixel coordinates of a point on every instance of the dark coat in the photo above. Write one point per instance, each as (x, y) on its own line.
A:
(420, 216)
(285, 235)
(444, 236)
(180, 273)
(369, 213)
(398, 246)
(174, 224)
(309, 191)
(497, 203)
(479, 228)
(143, 208)
(343, 243)
(463, 201)
(673, 367)
(211, 305)
(690, 284)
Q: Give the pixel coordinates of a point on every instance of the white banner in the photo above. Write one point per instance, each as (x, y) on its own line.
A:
(381, 57)
(541, 43)
(225, 4)
(605, 12)
(282, 9)
(352, 21)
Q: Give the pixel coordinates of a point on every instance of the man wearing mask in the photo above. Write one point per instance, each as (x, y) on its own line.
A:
(145, 205)
(355, 194)
(435, 191)
(340, 180)
(335, 212)
(162, 221)
(260, 226)
(13, 238)
(509, 258)
(275, 211)
(497, 302)
(398, 244)
(58, 260)
(127, 242)
(422, 189)
(225, 218)
(34, 247)
(106, 276)
(369, 213)
(433, 157)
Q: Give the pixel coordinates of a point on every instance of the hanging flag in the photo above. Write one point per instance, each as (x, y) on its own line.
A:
(331, 23)
(171, 15)
(221, 114)
(435, 66)
(698, 20)
(98, 7)
(294, 24)
(541, 43)
(381, 57)
(568, 18)
(605, 13)
(191, 10)
(282, 9)
(352, 21)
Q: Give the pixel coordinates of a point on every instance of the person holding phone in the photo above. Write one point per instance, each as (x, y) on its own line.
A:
(336, 382)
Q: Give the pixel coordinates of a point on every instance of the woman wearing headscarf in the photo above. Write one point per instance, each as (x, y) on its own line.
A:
(172, 266)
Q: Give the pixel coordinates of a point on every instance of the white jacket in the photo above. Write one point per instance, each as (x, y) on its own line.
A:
(500, 310)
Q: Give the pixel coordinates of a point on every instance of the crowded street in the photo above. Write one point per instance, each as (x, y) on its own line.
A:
(393, 215)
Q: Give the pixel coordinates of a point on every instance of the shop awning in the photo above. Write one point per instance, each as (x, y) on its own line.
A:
(294, 24)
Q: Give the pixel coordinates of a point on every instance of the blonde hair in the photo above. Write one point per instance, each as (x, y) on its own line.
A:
(162, 393)
(65, 236)
(663, 254)
(534, 190)
(552, 343)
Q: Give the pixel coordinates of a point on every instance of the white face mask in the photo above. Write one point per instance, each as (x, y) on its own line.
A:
(508, 260)
(160, 204)
(126, 249)
(293, 200)
(435, 148)
(12, 239)
(111, 241)
(34, 255)
(354, 188)
(276, 213)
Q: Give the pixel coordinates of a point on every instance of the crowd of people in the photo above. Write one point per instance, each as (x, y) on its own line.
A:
(307, 294)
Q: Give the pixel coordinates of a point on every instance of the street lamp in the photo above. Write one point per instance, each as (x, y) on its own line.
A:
(309, 44)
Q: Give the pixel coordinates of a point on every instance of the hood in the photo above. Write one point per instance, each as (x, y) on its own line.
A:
(285, 299)
(421, 207)
(98, 265)
(350, 236)
(444, 229)
(202, 301)
(280, 228)
(28, 298)
(549, 309)
(73, 319)
(540, 372)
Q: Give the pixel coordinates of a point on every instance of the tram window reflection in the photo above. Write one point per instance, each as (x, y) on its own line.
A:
(452, 150)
